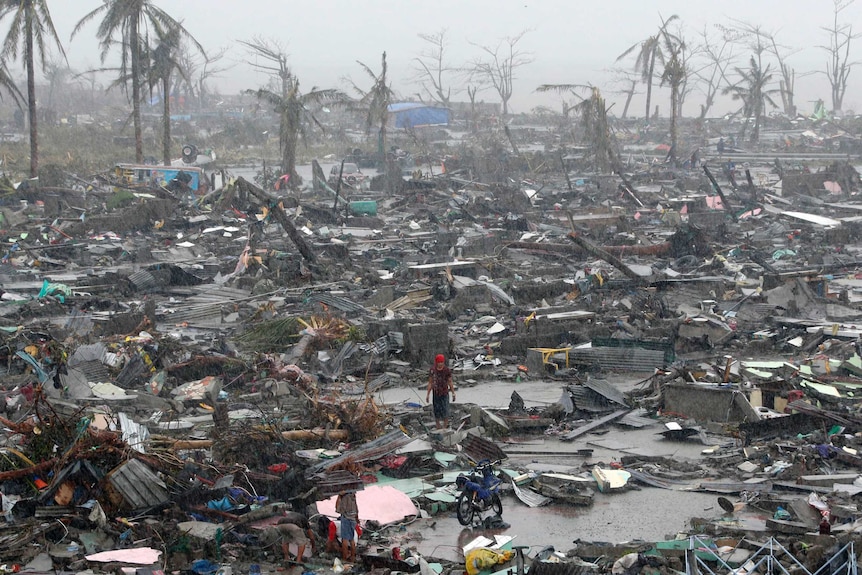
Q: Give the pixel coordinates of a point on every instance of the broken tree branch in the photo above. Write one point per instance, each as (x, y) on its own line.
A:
(602, 254)
(279, 215)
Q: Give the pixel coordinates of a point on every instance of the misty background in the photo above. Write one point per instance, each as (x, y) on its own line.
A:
(566, 42)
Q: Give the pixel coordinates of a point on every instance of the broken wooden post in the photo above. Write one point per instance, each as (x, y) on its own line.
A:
(566, 172)
(629, 189)
(279, 215)
(725, 204)
(602, 254)
(751, 185)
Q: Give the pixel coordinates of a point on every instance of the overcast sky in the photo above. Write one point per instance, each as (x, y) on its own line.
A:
(570, 41)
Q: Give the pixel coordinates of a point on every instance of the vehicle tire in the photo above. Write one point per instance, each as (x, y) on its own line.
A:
(464, 509)
(496, 504)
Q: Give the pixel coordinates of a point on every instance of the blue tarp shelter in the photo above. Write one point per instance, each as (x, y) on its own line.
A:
(412, 114)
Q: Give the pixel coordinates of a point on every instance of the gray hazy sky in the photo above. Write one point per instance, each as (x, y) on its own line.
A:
(571, 41)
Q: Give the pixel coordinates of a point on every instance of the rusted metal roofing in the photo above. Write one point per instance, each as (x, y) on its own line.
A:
(375, 449)
(478, 448)
(334, 482)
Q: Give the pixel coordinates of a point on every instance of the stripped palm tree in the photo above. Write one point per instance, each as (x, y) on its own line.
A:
(593, 113)
(130, 19)
(295, 115)
(375, 102)
(163, 62)
(31, 24)
(674, 76)
(752, 89)
(649, 51)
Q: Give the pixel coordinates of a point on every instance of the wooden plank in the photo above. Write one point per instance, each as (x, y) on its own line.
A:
(578, 431)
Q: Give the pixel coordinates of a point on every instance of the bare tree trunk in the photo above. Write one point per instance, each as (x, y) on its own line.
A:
(673, 129)
(166, 120)
(31, 102)
(649, 88)
(279, 215)
(136, 90)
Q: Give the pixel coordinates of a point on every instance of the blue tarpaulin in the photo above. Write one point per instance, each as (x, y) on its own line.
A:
(412, 114)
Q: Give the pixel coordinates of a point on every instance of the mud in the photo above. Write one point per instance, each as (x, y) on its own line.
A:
(649, 514)
(641, 513)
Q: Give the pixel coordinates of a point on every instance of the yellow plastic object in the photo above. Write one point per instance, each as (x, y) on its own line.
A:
(483, 559)
(549, 352)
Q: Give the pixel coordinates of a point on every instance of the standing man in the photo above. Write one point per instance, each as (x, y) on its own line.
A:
(348, 513)
(440, 382)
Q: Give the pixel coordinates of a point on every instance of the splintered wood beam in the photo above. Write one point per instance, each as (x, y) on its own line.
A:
(279, 216)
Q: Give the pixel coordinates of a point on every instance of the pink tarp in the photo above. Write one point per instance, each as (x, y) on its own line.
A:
(137, 556)
(380, 503)
(714, 202)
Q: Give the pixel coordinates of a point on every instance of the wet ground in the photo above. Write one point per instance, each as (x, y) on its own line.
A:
(644, 513)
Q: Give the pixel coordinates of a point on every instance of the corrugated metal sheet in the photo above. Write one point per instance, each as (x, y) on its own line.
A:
(94, 371)
(92, 352)
(334, 482)
(78, 323)
(375, 449)
(150, 280)
(529, 497)
(478, 448)
(135, 434)
(606, 390)
(138, 484)
(625, 359)
(637, 419)
(585, 399)
(337, 302)
(554, 568)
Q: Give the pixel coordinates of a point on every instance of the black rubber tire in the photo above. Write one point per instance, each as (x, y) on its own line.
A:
(497, 505)
(464, 509)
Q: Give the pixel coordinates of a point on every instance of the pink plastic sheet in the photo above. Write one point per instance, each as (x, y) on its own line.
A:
(137, 556)
(380, 503)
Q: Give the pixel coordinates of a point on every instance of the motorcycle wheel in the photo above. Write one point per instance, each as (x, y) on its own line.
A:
(464, 509)
(497, 505)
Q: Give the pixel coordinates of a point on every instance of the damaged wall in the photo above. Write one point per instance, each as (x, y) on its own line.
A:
(707, 403)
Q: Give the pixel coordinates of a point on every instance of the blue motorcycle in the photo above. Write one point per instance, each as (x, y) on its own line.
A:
(480, 491)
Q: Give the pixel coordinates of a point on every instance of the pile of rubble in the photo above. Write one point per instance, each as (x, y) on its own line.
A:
(179, 371)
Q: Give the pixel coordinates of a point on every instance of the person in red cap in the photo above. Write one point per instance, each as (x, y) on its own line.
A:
(440, 382)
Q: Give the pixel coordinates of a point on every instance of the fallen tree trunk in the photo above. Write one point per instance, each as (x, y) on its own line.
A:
(603, 255)
(639, 250)
(32, 470)
(279, 216)
(293, 435)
